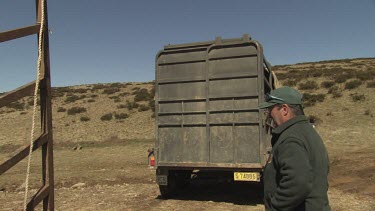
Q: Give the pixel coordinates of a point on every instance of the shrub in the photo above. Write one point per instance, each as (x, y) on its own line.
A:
(121, 116)
(110, 91)
(290, 82)
(371, 84)
(115, 85)
(315, 73)
(106, 117)
(152, 92)
(57, 93)
(61, 109)
(308, 85)
(142, 95)
(73, 98)
(122, 106)
(365, 75)
(335, 91)
(115, 98)
(293, 71)
(80, 90)
(62, 89)
(151, 103)
(30, 101)
(131, 105)
(344, 76)
(282, 76)
(124, 94)
(99, 86)
(340, 78)
(76, 110)
(84, 118)
(353, 84)
(312, 99)
(367, 112)
(327, 84)
(143, 108)
(17, 105)
(357, 97)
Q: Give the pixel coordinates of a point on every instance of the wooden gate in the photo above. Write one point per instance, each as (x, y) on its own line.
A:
(45, 140)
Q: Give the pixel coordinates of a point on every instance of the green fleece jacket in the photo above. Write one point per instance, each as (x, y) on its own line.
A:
(295, 178)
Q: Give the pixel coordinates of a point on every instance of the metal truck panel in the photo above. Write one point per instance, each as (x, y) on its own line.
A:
(207, 97)
(239, 67)
(186, 72)
(242, 87)
(182, 91)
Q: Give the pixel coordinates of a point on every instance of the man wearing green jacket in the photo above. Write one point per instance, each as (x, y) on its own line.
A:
(295, 177)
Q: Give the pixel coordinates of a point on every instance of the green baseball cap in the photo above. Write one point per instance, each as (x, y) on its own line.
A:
(282, 95)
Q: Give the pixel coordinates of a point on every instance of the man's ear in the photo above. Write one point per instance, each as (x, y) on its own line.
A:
(285, 110)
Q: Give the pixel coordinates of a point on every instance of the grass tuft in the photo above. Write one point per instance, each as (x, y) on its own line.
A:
(308, 85)
(312, 99)
(353, 84)
(76, 110)
(358, 97)
(106, 117)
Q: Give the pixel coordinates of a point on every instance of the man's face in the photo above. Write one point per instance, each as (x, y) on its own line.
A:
(276, 113)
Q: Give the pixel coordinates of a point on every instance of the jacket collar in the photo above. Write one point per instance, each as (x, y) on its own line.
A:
(287, 124)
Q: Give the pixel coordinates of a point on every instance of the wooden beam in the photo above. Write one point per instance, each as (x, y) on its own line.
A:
(23, 91)
(38, 197)
(18, 33)
(21, 153)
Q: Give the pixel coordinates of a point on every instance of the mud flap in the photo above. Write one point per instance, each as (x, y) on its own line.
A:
(162, 179)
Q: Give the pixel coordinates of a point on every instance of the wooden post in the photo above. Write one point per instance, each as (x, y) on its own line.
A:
(46, 111)
(45, 141)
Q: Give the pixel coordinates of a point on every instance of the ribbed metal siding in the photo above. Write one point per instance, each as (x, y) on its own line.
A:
(207, 100)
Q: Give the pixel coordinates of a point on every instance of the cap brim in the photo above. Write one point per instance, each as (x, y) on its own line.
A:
(266, 104)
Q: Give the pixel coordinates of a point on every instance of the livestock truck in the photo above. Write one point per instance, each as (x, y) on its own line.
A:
(206, 110)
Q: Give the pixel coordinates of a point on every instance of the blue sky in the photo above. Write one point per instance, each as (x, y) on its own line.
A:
(96, 41)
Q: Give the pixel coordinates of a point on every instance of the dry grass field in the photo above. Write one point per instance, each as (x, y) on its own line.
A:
(102, 133)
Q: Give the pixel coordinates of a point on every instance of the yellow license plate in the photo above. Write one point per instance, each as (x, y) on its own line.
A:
(247, 176)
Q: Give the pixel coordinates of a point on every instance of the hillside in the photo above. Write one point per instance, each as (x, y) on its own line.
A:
(86, 113)
(338, 95)
(115, 125)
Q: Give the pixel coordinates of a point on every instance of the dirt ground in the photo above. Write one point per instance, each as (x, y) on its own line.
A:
(113, 175)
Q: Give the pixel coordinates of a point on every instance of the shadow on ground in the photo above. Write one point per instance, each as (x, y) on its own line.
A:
(233, 193)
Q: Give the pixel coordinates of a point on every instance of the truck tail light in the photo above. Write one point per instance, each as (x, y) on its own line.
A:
(152, 160)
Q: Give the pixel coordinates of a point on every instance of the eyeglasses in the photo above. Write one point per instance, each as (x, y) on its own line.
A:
(269, 97)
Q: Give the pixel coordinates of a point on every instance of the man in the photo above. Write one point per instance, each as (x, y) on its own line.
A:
(295, 177)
